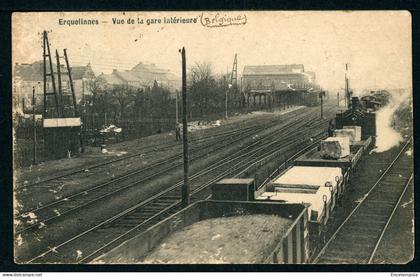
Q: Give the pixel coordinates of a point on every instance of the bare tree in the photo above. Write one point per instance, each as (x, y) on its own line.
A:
(205, 89)
(201, 72)
(124, 95)
(97, 88)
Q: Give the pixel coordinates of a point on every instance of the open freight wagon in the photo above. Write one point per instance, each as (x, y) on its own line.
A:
(246, 232)
(348, 164)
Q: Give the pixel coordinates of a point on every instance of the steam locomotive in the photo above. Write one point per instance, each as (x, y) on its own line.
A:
(363, 112)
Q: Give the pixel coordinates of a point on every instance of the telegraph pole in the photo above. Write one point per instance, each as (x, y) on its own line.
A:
(44, 70)
(226, 97)
(226, 104)
(338, 99)
(47, 52)
(176, 107)
(347, 89)
(185, 186)
(76, 112)
(73, 95)
(34, 125)
(60, 89)
(321, 96)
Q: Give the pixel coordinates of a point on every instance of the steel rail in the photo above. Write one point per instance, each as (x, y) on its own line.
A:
(153, 147)
(372, 255)
(119, 215)
(119, 178)
(384, 173)
(66, 198)
(168, 209)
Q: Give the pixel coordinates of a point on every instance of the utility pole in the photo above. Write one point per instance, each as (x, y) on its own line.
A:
(176, 107)
(226, 97)
(185, 186)
(47, 53)
(76, 112)
(234, 74)
(34, 125)
(44, 74)
(338, 99)
(345, 87)
(321, 96)
(60, 88)
(73, 94)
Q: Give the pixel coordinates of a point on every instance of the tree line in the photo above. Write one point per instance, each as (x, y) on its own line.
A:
(206, 94)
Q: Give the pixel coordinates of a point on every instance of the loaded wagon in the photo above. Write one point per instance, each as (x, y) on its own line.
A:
(216, 231)
(347, 164)
(316, 187)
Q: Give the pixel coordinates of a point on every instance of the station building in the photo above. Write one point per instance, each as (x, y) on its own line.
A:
(276, 84)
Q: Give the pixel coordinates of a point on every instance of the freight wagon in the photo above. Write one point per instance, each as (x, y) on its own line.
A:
(311, 99)
(317, 182)
(300, 199)
(218, 231)
(317, 187)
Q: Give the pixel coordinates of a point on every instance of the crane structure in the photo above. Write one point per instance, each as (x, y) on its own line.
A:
(234, 74)
(60, 118)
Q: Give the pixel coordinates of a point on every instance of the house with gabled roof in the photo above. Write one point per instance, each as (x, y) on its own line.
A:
(26, 76)
(142, 76)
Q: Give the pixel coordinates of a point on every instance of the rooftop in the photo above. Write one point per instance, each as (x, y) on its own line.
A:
(273, 69)
(111, 79)
(34, 71)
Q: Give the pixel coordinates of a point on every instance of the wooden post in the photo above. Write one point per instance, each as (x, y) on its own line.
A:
(76, 112)
(226, 97)
(338, 99)
(47, 44)
(34, 125)
(176, 107)
(73, 94)
(44, 109)
(185, 186)
(60, 88)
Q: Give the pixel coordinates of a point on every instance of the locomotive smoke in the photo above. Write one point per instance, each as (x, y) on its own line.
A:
(386, 136)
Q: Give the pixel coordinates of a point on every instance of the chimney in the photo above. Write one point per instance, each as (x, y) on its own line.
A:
(354, 103)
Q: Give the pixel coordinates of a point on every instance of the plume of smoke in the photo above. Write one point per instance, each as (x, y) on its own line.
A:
(310, 78)
(386, 136)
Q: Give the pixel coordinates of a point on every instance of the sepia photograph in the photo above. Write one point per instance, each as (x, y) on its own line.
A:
(213, 137)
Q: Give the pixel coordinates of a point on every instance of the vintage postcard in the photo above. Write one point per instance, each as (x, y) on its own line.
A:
(238, 137)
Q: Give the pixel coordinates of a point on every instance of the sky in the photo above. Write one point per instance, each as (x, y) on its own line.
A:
(375, 44)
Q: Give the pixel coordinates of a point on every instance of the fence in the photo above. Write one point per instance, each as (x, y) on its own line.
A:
(133, 127)
(23, 144)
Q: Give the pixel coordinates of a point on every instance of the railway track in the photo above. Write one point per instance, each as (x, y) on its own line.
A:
(72, 180)
(106, 234)
(359, 235)
(99, 167)
(73, 202)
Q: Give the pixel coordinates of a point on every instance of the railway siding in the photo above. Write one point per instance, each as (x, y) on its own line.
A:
(357, 238)
(59, 251)
(397, 245)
